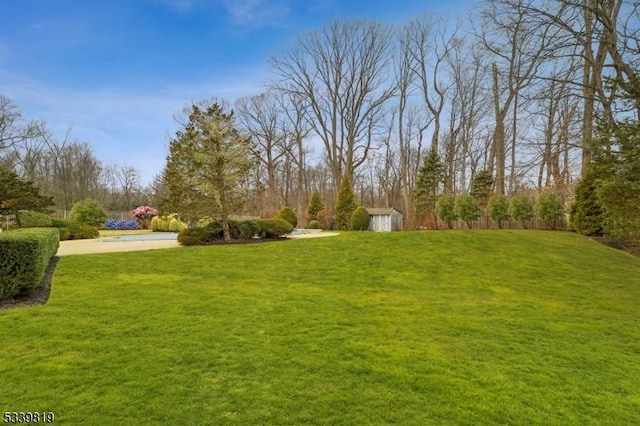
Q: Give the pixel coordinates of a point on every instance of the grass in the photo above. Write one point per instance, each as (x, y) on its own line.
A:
(448, 327)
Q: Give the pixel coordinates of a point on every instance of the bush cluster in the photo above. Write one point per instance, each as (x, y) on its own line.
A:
(24, 257)
(118, 225)
(72, 230)
(167, 223)
(548, 208)
(34, 220)
(239, 230)
(287, 214)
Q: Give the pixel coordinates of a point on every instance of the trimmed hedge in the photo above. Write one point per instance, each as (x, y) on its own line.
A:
(274, 228)
(34, 220)
(72, 230)
(24, 258)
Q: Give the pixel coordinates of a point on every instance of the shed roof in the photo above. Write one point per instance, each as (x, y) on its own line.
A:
(384, 211)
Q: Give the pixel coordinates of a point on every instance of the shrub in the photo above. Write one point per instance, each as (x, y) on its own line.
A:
(193, 237)
(521, 208)
(155, 227)
(467, 209)
(65, 234)
(326, 219)
(549, 208)
(34, 220)
(287, 214)
(314, 224)
(446, 208)
(498, 209)
(143, 215)
(274, 228)
(24, 257)
(248, 229)
(88, 212)
(360, 219)
(174, 225)
(76, 230)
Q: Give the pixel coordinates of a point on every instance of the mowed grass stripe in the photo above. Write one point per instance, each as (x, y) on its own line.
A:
(447, 327)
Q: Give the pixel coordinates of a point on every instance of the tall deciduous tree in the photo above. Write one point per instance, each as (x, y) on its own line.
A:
(208, 160)
(341, 73)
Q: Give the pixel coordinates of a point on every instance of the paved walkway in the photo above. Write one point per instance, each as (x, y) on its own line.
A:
(72, 247)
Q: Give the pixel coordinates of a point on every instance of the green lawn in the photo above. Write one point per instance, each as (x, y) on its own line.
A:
(445, 327)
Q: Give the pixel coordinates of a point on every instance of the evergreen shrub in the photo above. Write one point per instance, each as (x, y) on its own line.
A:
(24, 258)
(31, 219)
(287, 214)
(360, 219)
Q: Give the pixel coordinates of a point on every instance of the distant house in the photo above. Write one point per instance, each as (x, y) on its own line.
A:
(385, 219)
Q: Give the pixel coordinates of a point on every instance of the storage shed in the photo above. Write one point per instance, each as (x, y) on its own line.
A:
(384, 219)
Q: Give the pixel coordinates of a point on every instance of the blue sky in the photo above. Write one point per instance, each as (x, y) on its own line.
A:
(118, 70)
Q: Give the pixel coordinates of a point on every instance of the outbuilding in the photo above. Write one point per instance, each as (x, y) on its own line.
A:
(384, 219)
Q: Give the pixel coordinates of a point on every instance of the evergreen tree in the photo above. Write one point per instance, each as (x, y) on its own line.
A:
(430, 177)
(345, 204)
(315, 205)
(16, 195)
(586, 216)
(481, 187)
(208, 160)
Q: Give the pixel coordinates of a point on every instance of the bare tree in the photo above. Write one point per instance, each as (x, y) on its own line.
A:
(12, 130)
(340, 72)
(519, 46)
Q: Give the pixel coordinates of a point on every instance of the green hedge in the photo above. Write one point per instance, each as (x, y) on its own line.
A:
(34, 220)
(24, 258)
(273, 228)
(73, 230)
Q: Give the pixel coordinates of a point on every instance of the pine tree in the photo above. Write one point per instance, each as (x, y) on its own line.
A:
(345, 204)
(427, 189)
(207, 162)
(315, 205)
(16, 194)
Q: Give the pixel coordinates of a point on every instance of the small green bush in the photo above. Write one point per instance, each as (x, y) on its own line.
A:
(498, 209)
(248, 229)
(446, 208)
(24, 258)
(274, 228)
(467, 209)
(174, 225)
(89, 212)
(314, 224)
(287, 214)
(34, 220)
(193, 237)
(549, 208)
(65, 234)
(521, 209)
(155, 227)
(360, 219)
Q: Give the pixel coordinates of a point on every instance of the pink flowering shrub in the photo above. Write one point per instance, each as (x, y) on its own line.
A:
(143, 215)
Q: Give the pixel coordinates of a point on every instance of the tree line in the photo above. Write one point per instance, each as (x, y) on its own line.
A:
(521, 91)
